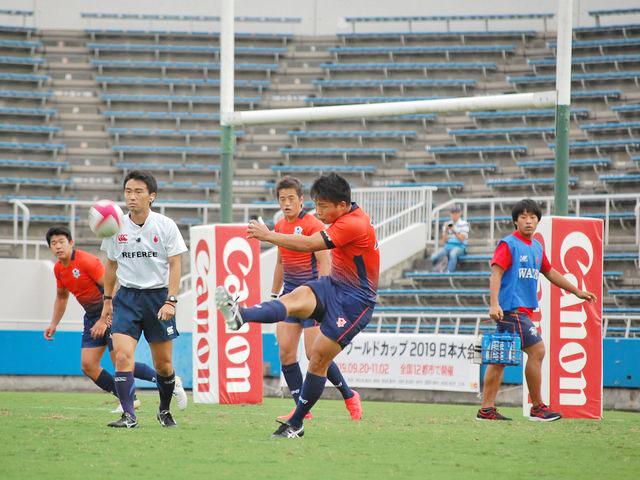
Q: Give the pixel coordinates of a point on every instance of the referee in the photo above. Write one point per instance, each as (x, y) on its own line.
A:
(145, 258)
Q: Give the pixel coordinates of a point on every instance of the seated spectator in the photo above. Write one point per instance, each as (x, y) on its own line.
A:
(455, 236)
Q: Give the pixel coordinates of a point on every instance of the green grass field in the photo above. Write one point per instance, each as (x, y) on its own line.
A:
(64, 436)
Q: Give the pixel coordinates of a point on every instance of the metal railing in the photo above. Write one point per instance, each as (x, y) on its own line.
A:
(504, 204)
(391, 210)
(613, 325)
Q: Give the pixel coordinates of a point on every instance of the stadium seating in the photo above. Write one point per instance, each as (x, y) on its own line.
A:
(344, 153)
(481, 150)
(164, 66)
(583, 61)
(604, 145)
(582, 78)
(46, 113)
(424, 67)
(595, 163)
(447, 50)
(176, 117)
(187, 134)
(193, 83)
(157, 49)
(525, 115)
(362, 170)
(55, 148)
(170, 100)
(534, 183)
(22, 78)
(449, 168)
(510, 132)
(177, 150)
(402, 85)
(608, 127)
(348, 100)
(361, 135)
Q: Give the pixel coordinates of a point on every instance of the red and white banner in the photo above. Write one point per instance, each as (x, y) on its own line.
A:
(411, 361)
(570, 327)
(227, 365)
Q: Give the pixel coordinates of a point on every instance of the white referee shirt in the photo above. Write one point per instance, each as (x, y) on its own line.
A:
(142, 252)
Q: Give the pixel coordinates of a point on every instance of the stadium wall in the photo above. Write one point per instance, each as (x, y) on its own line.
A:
(318, 17)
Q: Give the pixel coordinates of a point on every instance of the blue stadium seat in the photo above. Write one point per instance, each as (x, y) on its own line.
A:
(601, 44)
(106, 80)
(158, 34)
(347, 100)
(523, 35)
(394, 83)
(611, 127)
(178, 117)
(582, 78)
(526, 182)
(591, 94)
(26, 95)
(525, 115)
(165, 132)
(583, 61)
(625, 292)
(573, 163)
(481, 150)
(598, 145)
(36, 182)
(502, 132)
(55, 165)
(630, 109)
(170, 167)
(30, 61)
(359, 134)
(31, 146)
(47, 113)
(447, 50)
(35, 129)
(320, 169)
(450, 186)
(449, 168)
(620, 178)
(29, 45)
(163, 66)
(424, 67)
(164, 48)
(25, 78)
(190, 100)
(344, 153)
(182, 151)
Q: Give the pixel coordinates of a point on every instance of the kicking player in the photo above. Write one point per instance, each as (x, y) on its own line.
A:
(513, 299)
(342, 302)
(82, 274)
(294, 269)
(145, 257)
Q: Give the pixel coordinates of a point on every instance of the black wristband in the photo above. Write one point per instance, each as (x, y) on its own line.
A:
(107, 297)
(167, 302)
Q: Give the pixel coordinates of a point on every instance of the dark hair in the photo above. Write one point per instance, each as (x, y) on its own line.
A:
(527, 205)
(146, 176)
(289, 182)
(58, 230)
(332, 188)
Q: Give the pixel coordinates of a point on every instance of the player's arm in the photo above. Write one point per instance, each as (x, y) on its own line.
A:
(297, 243)
(495, 310)
(323, 257)
(554, 277)
(278, 277)
(59, 307)
(109, 281)
(168, 310)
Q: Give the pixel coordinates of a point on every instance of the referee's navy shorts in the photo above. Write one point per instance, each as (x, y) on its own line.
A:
(520, 324)
(341, 315)
(90, 319)
(136, 311)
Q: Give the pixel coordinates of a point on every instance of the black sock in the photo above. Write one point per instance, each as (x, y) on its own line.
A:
(311, 392)
(293, 377)
(165, 389)
(126, 389)
(335, 376)
(144, 372)
(267, 312)
(105, 382)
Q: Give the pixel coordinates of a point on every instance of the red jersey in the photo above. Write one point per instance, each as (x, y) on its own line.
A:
(81, 278)
(502, 258)
(355, 256)
(298, 267)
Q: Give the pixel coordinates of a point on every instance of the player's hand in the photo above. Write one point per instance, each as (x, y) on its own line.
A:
(590, 297)
(99, 329)
(49, 332)
(496, 313)
(257, 230)
(167, 311)
(107, 313)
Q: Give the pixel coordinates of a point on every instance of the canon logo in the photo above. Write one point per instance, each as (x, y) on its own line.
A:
(237, 258)
(203, 349)
(573, 356)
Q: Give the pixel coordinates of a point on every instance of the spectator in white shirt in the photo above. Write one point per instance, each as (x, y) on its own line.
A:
(455, 236)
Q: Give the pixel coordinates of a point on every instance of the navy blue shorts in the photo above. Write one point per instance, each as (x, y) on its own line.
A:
(340, 315)
(89, 342)
(521, 324)
(136, 311)
(304, 322)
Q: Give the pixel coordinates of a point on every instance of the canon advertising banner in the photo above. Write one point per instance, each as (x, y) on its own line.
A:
(227, 365)
(570, 327)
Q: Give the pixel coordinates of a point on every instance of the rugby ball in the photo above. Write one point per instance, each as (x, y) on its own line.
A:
(105, 218)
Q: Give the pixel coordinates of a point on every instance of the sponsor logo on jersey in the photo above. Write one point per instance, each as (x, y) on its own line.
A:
(155, 239)
(297, 230)
(76, 273)
(523, 258)
(122, 238)
(528, 273)
(341, 322)
(533, 331)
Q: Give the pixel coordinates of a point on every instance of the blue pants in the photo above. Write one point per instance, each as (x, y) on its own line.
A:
(136, 311)
(452, 253)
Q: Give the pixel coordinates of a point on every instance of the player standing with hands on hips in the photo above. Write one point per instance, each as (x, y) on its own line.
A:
(145, 257)
(516, 264)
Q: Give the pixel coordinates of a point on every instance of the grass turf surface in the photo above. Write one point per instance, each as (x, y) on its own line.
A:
(64, 436)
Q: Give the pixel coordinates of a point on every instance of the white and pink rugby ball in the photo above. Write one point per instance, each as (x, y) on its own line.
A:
(105, 218)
